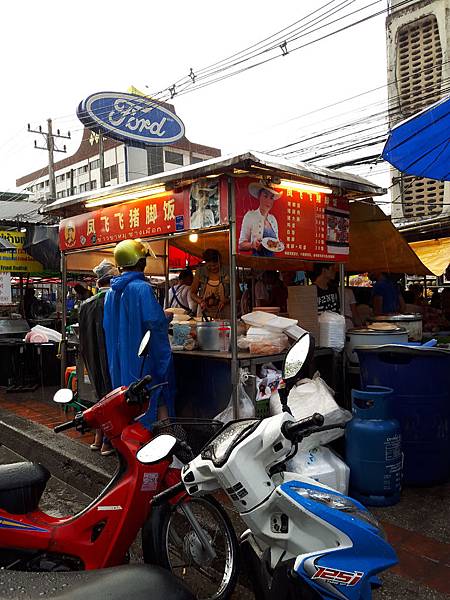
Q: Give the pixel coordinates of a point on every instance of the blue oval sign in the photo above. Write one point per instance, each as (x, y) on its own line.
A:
(132, 119)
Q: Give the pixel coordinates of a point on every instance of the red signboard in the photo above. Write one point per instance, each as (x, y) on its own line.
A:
(201, 205)
(290, 223)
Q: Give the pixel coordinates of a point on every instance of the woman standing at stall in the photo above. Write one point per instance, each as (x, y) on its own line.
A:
(259, 225)
(211, 287)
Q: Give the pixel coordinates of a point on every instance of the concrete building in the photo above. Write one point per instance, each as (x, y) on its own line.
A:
(81, 172)
(418, 58)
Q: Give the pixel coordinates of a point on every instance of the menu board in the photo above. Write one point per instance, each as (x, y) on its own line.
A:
(290, 223)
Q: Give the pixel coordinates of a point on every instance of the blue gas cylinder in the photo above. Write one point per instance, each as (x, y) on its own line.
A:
(373, 448)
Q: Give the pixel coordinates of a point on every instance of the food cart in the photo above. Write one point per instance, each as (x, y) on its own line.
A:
(309, 222)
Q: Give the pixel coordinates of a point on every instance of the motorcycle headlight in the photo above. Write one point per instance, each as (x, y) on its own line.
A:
(221, 446)
(342, 504)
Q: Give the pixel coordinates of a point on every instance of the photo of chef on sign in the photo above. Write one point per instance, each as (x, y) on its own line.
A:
(259, 230)
(204, 204)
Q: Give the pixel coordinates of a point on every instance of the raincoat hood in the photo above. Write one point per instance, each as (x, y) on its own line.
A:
(120, 283)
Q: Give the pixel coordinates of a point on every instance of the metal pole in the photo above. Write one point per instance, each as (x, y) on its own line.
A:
(51, 166)
(101, 159)
(233, 296)
(63, 318)
(342, 287)
(166, 272)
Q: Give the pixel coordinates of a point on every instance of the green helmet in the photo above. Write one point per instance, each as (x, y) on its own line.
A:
(128, 253)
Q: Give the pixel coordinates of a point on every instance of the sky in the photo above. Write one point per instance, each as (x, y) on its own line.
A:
(57, 53)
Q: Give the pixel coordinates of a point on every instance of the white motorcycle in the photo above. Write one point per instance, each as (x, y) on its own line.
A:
(304, 539)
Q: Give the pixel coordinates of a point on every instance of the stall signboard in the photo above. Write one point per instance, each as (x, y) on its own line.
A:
(168, 212)
(135, 120)
(17, 260)
(5, 288)
(290, 223)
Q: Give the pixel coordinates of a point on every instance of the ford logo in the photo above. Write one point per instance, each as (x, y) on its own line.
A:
(132, 119)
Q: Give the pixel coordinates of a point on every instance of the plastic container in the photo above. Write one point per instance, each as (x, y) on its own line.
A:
(210, 335)
(322, 465)
(181, 333)
(420, 378)
(373, 448)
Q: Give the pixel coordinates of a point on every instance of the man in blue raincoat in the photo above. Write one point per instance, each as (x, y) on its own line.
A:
(131, 309)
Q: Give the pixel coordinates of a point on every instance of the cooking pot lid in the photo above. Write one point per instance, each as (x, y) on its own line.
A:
(388, 318)
(367, 331)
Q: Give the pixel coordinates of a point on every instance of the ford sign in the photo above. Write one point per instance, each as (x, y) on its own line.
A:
(135, 120)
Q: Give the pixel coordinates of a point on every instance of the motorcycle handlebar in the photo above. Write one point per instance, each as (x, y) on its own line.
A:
(292, 430)
(168, 494)
(64, 426)
(136, 388)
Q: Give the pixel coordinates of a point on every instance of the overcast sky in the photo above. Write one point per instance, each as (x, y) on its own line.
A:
(54, 54)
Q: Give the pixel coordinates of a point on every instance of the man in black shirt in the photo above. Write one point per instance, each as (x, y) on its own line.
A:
(327, 295)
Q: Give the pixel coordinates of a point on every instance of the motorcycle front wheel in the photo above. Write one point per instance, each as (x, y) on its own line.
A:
(170, 540)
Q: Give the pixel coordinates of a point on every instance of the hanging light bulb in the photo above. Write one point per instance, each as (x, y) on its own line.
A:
(193, 237)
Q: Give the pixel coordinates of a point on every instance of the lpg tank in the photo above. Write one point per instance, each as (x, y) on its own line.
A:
(373, 448)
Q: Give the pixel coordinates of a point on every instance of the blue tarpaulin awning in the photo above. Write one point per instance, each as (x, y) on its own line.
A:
(420, 146)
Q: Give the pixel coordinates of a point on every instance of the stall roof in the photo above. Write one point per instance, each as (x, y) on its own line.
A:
(248, 162)
(376, 245)
(435, 254)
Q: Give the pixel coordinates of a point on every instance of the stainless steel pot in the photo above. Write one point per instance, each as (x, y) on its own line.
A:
(411, 322)
(214, 336)
(369, 337)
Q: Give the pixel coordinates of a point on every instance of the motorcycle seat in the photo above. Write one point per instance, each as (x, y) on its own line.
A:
(139, 582)
(21, 486)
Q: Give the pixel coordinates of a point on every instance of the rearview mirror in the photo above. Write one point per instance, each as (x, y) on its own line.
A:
(144, 345)
(156, 449)
(297, 356)
(63, 396)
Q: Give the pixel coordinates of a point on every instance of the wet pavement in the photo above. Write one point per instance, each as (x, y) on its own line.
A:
(418, 527)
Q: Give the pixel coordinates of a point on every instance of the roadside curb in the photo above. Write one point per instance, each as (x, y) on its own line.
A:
(68, 460)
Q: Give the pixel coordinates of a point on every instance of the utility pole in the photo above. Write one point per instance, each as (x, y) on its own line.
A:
(50, 146)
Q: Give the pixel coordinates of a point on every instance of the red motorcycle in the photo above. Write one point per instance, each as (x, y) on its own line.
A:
(195, 541)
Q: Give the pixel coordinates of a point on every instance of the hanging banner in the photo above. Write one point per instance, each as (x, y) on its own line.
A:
(17, 260)
(5, 288)
(290, 223)
(197, 206)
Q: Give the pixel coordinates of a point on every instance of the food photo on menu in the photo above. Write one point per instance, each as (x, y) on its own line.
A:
(259, 229)
(338, 224)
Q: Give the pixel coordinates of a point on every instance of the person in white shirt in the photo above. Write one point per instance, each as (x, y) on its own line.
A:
(259, 223)
(202, 216)
(180, 293)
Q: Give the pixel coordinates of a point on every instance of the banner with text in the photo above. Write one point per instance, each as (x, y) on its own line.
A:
(290, 223)
(16, 260)
(196, 207)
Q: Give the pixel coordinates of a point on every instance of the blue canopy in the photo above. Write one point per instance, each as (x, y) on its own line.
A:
(420, 145)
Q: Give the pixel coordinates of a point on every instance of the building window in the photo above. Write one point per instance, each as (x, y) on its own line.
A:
(60, 178)
(83, 169)
(94, 164)
(61, 194)
(41, 185)
(93, 185)
(110, 173)
(174, 158)
(196, 159)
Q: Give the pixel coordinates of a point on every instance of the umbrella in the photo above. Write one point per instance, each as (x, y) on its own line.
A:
(420, 145)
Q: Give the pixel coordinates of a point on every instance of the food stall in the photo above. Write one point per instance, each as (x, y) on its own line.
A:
(309, 222)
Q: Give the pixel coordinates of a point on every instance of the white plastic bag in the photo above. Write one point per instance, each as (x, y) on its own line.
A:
(246, 408)
(332, 330)
(311, 396)
(322, 465)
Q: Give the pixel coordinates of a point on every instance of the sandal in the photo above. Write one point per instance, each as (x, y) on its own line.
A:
(95, 447)
(108, 452)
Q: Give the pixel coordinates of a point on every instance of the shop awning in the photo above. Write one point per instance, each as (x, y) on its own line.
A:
(420, 145)
(435, 254)
(375, 244)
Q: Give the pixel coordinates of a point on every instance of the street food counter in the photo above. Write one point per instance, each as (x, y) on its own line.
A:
(259, 212)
